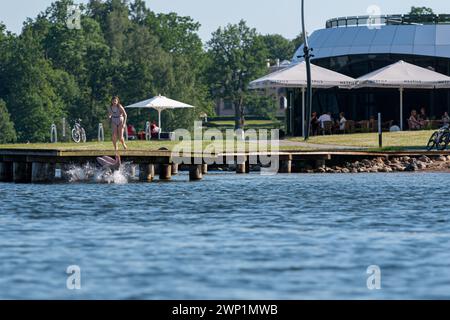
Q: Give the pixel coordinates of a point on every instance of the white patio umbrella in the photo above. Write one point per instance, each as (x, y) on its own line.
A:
(294, 76)
(403, 75)
(159, 103)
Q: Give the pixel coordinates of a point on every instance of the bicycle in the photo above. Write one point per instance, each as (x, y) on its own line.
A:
(440, 139)
(78, 132)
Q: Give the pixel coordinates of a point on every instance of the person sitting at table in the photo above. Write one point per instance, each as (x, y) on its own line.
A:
(131, 130)
(446, 118)
(422, 117)
(314, 124)
(342, 122)
(154, 129)
(326, 117)
(414, 123)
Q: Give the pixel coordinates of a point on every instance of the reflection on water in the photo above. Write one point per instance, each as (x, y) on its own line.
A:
(228, 236)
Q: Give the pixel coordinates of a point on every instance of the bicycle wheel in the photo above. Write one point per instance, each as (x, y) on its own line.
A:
(83, 135)
(76, 136)
(432, 142)
(443, 142)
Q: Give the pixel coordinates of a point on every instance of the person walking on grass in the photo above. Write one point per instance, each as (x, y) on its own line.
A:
(118, 117)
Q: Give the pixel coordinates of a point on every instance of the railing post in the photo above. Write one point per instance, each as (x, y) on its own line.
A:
(101, 133)
(148, 134)
(54, 134)
(64, 128)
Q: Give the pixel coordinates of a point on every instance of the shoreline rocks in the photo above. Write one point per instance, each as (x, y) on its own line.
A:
(384, 165)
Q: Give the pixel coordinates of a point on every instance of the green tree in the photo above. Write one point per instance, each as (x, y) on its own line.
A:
(238, 56)
(278, 47)
(7, 131)
(32, 97)
(122, 48)
(419, 11)
(261, 105)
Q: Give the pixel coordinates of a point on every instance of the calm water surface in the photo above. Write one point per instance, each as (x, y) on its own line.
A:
(229, 237)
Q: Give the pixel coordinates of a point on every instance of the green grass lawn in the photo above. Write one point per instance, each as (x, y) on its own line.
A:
(92, 146)
(132, 146)
(391, 140)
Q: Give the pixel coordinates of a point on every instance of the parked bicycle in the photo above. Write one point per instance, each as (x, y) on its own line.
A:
(78, 132)
(440, 139)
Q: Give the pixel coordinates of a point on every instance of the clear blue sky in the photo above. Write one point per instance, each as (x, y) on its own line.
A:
(267, 16)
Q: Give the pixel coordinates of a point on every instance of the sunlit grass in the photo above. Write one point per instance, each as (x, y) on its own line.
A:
(367, 141)
(391, 140)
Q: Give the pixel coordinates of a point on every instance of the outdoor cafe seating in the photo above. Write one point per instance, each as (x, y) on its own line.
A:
(362, 126)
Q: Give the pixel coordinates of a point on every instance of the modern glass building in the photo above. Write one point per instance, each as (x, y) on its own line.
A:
(355, 46)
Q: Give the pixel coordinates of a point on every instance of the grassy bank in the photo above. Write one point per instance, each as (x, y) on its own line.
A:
(391, 140)
(368, 141)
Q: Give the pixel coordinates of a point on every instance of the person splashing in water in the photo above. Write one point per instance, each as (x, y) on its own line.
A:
(110, 163)
(118, 117)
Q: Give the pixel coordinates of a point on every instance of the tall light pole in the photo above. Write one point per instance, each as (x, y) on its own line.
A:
(307, 56)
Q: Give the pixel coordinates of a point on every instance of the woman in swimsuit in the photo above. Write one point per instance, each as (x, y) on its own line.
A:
(118, 117)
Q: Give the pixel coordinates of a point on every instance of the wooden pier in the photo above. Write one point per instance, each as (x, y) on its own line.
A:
(39, 166)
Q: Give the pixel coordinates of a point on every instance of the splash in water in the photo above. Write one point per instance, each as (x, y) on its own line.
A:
(92, 173)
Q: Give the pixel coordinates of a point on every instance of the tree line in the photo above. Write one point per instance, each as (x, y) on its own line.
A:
(50, 71)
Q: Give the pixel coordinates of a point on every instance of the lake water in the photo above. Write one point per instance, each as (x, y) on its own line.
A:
(229, 237)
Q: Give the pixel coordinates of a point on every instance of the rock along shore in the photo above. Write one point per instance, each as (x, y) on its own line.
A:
(400, 164)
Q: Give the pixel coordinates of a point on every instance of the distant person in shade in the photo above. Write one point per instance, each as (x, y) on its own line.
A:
(154, 129)
(422, 117)
(325, 118)
(414, 123)
(314, 124)
(446, 118)
(342, 122)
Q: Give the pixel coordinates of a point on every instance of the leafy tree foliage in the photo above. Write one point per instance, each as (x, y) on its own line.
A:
(50, 71)
(278, 47)
(7, 131)
(238, 56)
(419, 11)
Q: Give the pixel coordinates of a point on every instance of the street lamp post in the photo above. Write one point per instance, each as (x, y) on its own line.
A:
(307, 56)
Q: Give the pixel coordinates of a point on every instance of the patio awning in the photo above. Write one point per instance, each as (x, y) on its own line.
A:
(403, 75)
(295, 77)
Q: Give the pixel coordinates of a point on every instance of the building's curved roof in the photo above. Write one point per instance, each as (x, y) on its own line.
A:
(424, 40)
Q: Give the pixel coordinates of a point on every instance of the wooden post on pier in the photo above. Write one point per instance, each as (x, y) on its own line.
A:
(165, 172)
(204, 169)
(146, 172)
(242, 166)
(285, 166)
(174, 169)
(6, 171)
(196, 172)
(21, 172)
(42, 172)
(133, 171)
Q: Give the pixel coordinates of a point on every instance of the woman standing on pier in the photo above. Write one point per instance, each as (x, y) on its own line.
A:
(118, 117)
